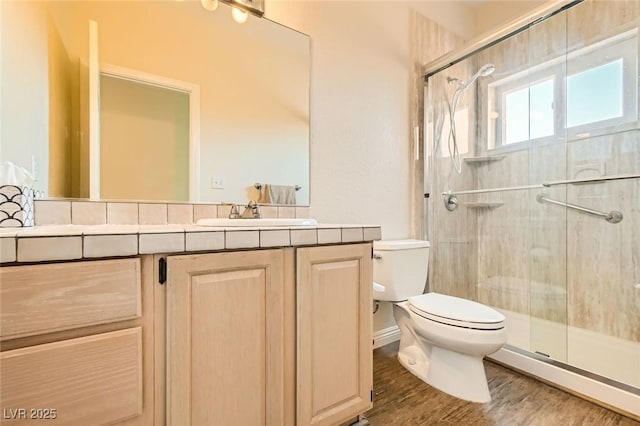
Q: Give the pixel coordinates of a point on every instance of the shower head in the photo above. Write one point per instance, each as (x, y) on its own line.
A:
(484, 71)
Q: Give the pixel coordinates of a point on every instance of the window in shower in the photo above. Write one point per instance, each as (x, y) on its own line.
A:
(596, 94)
(528, 112)
(592, 92)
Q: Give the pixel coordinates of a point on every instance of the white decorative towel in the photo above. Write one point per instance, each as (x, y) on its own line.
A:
(281, 194)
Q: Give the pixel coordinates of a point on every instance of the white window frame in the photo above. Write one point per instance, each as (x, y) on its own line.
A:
(559, 69)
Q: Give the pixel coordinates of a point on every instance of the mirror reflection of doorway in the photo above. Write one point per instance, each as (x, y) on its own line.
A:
(144, 141)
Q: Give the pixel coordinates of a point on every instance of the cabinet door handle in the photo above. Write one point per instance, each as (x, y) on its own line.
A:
(162, 270)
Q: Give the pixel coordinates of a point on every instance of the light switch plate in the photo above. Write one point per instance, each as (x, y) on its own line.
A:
(217, 183)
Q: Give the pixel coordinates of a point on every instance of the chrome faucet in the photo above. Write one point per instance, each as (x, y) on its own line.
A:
(251, 211)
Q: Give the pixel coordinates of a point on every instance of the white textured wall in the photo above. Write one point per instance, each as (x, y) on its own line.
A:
(361, 73)
(360, 76)
(25, 94)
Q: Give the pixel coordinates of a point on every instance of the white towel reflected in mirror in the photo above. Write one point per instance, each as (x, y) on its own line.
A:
(277, 194)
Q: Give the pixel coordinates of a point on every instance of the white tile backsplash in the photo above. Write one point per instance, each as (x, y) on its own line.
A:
(303, 212)
(88, 213)
(204, 211)
(58, 212)
(224, 210)
(180, 213)
(287, 212)
(269, 212)
(49, 212)
(122, 213)
(152, 214)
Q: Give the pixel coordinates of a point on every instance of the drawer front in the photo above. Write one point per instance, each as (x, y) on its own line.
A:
(92, 380)
(38, 299)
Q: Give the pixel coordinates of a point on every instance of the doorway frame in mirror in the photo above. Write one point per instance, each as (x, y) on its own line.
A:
(193, 91)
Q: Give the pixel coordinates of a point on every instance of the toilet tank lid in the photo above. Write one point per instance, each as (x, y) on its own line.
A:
(400, 244)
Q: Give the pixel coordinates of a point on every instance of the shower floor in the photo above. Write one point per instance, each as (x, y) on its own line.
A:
(601, 354)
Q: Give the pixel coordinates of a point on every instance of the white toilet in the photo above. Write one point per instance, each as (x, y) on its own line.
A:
(443, 338)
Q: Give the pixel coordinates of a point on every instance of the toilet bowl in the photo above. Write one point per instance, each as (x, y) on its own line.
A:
(443, 338)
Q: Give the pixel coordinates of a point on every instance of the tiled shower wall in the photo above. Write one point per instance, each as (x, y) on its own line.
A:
(538, 259)
(453, 235)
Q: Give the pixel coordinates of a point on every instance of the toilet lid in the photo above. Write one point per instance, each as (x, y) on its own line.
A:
(455, 311)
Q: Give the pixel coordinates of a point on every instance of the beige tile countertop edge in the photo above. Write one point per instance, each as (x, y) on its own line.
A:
(46, 233)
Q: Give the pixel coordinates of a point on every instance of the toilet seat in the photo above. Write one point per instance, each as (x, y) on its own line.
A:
(457, 312)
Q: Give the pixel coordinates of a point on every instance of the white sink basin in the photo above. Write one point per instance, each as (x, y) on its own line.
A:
(257, 222)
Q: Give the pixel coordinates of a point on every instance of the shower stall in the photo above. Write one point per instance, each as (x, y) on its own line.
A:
(532, 141)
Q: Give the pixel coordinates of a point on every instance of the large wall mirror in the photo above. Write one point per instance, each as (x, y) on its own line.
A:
(153, 100)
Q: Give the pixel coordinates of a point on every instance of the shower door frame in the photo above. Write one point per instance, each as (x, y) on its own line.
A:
(611, 394)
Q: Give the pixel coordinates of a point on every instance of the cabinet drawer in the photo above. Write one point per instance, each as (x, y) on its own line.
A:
(92, 380)
(39, 299)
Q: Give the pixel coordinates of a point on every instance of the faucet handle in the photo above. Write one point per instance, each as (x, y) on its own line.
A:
(233, 213)
(254, 207)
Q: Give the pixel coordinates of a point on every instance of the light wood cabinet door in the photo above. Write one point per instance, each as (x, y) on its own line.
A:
(225, 339)
(78, 340)
(38, 299)
(93, 380)
(334, 333)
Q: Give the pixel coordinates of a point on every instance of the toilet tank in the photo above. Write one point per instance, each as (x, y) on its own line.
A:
(401, 266)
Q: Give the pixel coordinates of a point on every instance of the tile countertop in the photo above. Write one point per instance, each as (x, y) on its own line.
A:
(69, 242)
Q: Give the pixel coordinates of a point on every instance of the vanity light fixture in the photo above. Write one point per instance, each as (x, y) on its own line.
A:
(239, 15)
(240, 9)
(210, 5)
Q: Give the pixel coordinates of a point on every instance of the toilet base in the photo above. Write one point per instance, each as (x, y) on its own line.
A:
(457, 374)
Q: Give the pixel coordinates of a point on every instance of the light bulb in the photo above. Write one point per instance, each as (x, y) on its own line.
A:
(240, 16)
(210, 5)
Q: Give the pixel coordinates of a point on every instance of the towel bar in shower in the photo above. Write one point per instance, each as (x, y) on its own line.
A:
(543, 185)
(613, 216)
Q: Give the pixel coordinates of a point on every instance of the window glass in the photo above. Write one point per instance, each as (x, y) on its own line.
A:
(541, 104)
(595, 94)
(517, 116)
(529, 112)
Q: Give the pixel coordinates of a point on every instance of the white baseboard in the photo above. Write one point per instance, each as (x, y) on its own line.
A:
(386, 336)
(592, 389)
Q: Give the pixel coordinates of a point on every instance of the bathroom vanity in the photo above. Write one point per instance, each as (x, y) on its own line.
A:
(179, 325)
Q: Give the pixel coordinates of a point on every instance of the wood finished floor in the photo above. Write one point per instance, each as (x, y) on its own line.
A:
(400, 398)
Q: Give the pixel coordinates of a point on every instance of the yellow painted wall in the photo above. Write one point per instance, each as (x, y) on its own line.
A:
(59, 116)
